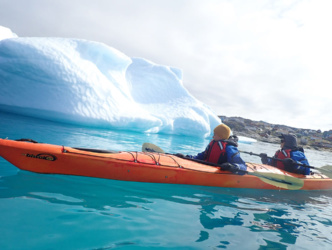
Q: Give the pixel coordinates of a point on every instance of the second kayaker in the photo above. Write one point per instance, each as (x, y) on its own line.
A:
(288, 155)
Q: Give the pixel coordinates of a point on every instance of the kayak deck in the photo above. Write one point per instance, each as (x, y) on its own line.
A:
(141, 167)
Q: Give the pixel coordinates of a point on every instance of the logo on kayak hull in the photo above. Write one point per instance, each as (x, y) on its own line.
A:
(41, 156)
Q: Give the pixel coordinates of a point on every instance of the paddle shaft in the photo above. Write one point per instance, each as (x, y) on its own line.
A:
(273, 158)
(243, 171)
(299, 164)
(159, 150)
(282, 181)
(217, 165)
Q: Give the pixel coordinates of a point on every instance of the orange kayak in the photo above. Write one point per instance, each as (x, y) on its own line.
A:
(146, 167)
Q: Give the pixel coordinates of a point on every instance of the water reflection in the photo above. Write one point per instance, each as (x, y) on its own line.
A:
(281, 215)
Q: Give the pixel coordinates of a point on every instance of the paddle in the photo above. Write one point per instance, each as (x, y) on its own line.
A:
(278, 180)
(298, 164)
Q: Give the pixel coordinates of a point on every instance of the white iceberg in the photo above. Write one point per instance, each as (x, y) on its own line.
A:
(92, 84)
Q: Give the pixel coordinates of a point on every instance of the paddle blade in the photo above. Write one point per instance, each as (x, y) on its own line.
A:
(149, 147)
(278, 180)
(327, 170)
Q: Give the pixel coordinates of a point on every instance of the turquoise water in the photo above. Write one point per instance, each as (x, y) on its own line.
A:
(69, 212)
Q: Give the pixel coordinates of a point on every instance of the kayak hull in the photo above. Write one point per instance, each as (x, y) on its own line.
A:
(139, 167)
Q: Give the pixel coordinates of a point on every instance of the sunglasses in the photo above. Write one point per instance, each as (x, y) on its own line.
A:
(282, 141)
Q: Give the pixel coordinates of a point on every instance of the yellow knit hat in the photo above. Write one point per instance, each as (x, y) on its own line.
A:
(223, 131)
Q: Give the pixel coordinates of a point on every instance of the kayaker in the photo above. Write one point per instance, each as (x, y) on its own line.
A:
(223, 150)
(289, 154)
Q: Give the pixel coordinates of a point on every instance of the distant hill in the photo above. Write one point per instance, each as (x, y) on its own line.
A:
(266, 132)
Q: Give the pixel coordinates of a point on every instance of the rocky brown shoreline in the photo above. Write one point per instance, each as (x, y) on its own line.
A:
(266, 132)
